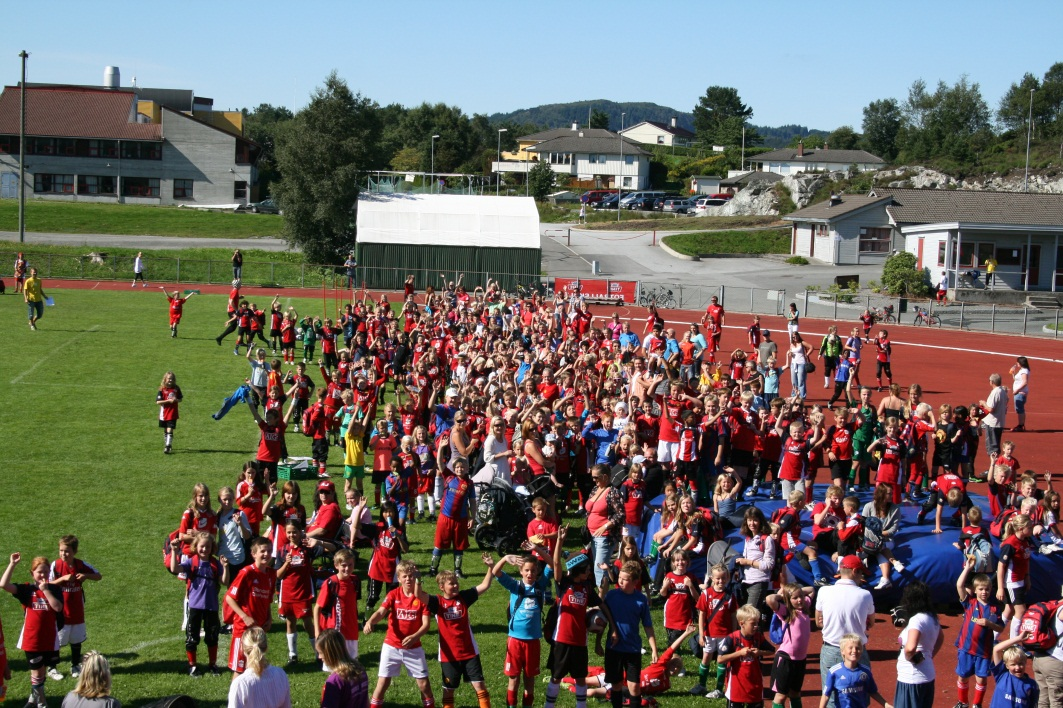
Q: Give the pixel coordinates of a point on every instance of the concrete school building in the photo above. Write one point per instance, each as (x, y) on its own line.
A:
(951, 231)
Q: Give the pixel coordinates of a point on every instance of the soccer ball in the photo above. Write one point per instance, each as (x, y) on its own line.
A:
(298, 331)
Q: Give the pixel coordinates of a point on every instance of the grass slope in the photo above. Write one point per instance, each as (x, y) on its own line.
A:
(46, 216)
(83, 455)
(752, 242)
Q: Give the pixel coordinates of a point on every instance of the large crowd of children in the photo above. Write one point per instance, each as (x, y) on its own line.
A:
(455, 389)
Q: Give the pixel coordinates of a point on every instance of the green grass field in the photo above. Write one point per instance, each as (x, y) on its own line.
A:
(83, 455)
(46, 216)
(752, 242)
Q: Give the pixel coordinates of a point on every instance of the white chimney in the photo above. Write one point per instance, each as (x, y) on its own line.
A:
(673, 121)
(575, 125)
(112, 78)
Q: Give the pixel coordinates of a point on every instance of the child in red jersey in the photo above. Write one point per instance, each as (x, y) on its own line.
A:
(69, 572)
(542, 531)
(408, 620)
(981, 621)
(43, 603)
(296, 594)
(249, 490)
(947, 489)
(336, 606)
(883, 352)
(389, 543)
(199, 516)
(681, 592)
(825, 518)
(788, 519)
(741, 652)
(716, 619)
(249, 598)
(654, 680)
(288, 335)
(868, 321)
(271, 446)
(290, 506)
(633, 494)
(889, 465)
(840, 447)
(318, 430)
(1013, 569)
(383, 444)
(459, 656)
(168, 399)
(204, 574)
(177, 304)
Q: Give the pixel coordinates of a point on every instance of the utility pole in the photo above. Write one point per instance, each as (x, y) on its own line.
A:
(1029, 131)
(22, 151)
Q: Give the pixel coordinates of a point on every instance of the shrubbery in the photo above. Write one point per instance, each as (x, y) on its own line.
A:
(900, 276)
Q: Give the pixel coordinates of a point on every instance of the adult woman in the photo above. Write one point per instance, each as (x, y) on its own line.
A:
(497, 452)
(757, 559)
(238, 264)
(605, 519)
(920, 641)
(915, 397)
(1020, 386)
(540, 464)
(325, 523)
(93, 689)
(793, 318)
(888, 522)
(797, 360)
(892, 406)
(261, 685)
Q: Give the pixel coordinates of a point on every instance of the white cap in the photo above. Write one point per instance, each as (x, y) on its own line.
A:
(452, 393)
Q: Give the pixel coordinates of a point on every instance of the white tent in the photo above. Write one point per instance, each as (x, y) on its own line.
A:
(448, 220)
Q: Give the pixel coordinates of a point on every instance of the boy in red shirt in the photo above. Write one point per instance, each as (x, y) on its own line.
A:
(336, 606)
(389, 543)
(654, 680)
(177, 304)
(408, 618)
(250, 597)
(681, 591)
(317, 428)
(741, 653)
(716, 619)
(271, 442)
(69, 573)
(297, 583)
(459, 655)
(541, 530)
(633, 494)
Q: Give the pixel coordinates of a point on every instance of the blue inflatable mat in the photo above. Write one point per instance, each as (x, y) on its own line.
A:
(927, 556)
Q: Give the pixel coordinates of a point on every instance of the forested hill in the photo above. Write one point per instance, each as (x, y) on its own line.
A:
(559, 115)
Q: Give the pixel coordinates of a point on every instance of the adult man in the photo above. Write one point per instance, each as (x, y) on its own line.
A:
(138, 271)
(990, 269)
(350, 264)
(766, 348)
(714, 312)
(996, 408)
(843, 608)
(1048, 667)
(33, 294)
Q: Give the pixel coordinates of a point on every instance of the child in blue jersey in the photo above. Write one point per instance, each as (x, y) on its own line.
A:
(623, 653)
(455, 516)
(981, 622)
(1014, 688)
(850, 682)
(527, 597)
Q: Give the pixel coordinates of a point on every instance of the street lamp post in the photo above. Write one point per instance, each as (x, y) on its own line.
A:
(498, 172)
(620, 175)
(1029, 131)
(434, 138)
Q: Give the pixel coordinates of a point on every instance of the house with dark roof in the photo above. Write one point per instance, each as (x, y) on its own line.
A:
(651, 132)
(591, 155)
(104, 144)
(791, 161)
(950, 231)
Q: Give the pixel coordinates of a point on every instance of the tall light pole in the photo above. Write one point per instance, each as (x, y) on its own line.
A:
(620, 176)
(498, 172)
(1029, 131)
(22, 151)
(434, 138)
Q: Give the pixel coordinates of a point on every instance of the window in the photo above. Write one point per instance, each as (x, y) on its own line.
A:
(1009, 255)
(941, 254)
(98, 148)
(9, 144)
(239, 190)
(141, 151)
(93, 184)
(629, 159)
(822, 230)
(875, 240)
(53, 184)
(627, 182)
(140, 186)
(592, 158)
(660, 140)
(66, 146)
(243, 153)
(40, 146)
(560, 158)
(973, 254)
(182, 189)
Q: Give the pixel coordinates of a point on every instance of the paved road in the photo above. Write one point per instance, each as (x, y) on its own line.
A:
(148, 242)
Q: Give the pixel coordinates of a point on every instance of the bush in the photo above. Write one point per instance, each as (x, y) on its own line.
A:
(797, 260)
(901, 277)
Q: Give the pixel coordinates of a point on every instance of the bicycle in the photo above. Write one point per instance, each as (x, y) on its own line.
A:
(660, 298)
(923, 316)
(883, 314)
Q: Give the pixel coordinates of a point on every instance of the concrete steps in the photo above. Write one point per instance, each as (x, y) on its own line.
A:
(1043, 302)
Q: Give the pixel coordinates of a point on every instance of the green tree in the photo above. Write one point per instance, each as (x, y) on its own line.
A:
(843, 138)
(812, 139)
(599, 119)
(540, 180)
(720, 116)
(320, 153)
(900, 276)
(407, 159)
(882, 123)
(262, 125)
(951, 123)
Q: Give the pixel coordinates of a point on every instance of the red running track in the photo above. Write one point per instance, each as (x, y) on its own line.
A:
(952, 367)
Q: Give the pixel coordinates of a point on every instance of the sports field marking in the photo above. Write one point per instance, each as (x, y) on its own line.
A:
(58, 349)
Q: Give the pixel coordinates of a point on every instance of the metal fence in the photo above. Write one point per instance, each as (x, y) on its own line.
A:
(847, 307)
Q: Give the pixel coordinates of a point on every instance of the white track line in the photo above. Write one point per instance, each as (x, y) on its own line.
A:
(64, 345)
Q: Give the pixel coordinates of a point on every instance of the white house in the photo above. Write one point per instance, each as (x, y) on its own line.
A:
(946, 230)
(590, 155)
(790, 161)
(651, 132)
(705, 184)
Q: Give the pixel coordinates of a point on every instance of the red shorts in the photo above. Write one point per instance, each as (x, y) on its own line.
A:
(331, 422)
(450, 531)
(424, 483)
(237, 661)
(295, 610)
(522, 657)
(175, 320)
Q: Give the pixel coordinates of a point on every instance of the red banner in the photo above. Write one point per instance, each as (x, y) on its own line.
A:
(622, 290)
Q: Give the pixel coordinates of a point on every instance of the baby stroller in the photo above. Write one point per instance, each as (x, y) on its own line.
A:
(502, 516)
(970, 279)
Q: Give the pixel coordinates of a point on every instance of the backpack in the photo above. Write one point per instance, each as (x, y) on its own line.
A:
(981, 548)
(873, 541)
(1039, 621)
(167, 549)
(711, 527)
(780, 514)
(307, 423)
(997, 526)
(778, 629)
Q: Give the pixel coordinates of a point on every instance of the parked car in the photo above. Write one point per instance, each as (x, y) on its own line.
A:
(593, 196)
(641, 204)
(628, 197)
(658, 203)
(678, 206)
(703, 204)
(266, 206)
(609, 201)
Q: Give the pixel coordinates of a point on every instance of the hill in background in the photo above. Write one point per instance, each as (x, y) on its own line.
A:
(559, 115)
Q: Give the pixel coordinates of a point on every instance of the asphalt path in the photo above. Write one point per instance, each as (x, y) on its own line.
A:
(146, 242)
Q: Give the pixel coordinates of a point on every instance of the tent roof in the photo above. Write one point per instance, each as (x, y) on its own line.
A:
(448, 220)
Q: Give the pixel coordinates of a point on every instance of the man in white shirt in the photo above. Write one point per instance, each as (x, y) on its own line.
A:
(841, 609)
(138, 271)
(996, 408)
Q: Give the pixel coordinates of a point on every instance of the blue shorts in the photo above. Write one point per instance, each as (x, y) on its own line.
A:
(1020, 403)
(798, 548)
(969, 664)
(401, 509)
(34, 310)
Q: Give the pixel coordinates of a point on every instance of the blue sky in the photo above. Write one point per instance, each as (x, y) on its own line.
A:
(812, 63)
